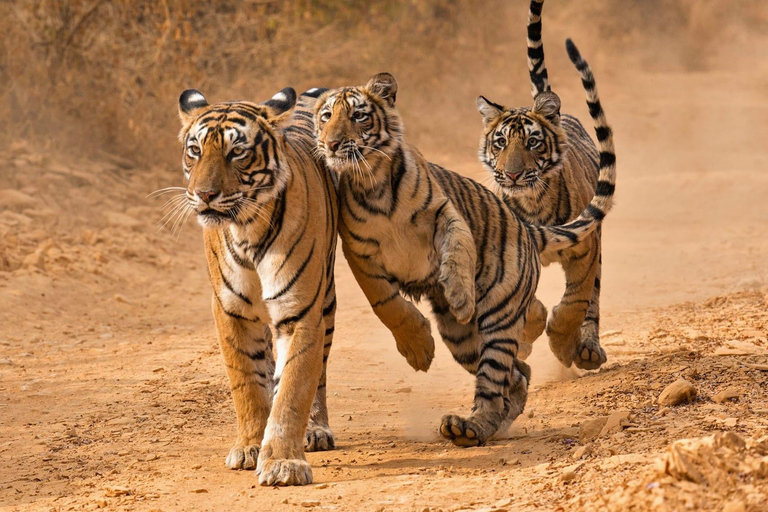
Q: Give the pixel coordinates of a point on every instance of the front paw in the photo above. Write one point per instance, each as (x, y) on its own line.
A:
(242, 456)
(462, 432)
(461, 298)
(284, 472)
(589, 355)
(415, 343)
(318, 438)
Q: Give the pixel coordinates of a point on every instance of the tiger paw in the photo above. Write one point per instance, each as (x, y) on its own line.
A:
(589, 355)
(460, 295)
(415, 343)
(318, 438)
(461, 432)
(242, 456)
(284, 472)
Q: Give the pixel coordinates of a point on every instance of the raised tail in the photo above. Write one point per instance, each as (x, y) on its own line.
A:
(554, 238)
(536, 67)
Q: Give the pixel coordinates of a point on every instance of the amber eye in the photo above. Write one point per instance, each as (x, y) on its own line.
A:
(499, 142)
(238, 151)
(533, 143)
(358, 115)
(194, 151)
(325, 116)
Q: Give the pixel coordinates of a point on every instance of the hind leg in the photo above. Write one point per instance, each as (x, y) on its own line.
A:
(319, 436)
(589, 353)
(501, 386)
(564, 326)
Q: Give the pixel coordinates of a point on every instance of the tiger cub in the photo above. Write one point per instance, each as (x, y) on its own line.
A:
(547, 168)
(269, 214)
(411, 228)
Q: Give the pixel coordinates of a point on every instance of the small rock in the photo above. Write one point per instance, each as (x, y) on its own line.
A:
(199, 491)
(734, 506)
(7, 361)
(614, 422)
(590, 429)
(403, 390)
(569, 473)
(321, 486)
(114, 492)
(678, 392)
(726, 394)
(730, 422)
(310, 503)
(581, 451)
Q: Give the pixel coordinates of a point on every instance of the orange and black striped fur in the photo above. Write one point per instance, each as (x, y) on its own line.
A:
(547, 168)
(411, 228)
(269, 214)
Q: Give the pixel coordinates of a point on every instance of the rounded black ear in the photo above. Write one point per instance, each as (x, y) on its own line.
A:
(281, 102)
(547, 104)
(190, 100)
(384, 86)
(488, 109)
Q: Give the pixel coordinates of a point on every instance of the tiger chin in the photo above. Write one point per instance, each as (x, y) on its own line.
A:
(411, 229)
(546, 167)
(269, 214)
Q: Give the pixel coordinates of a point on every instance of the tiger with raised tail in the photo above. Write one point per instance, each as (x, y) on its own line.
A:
(269, 214)
(411, 228)
(547, 168)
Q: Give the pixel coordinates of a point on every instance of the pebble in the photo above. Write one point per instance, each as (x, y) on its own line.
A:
(725, 395)
(614, 422)
(310, 503)
(678, 392)
(734, 506)
(590, 429)
(581, 451)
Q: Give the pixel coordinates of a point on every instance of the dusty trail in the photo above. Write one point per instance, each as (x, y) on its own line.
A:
(112, 392)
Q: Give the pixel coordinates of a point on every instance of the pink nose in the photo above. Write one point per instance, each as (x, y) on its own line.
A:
(513, 175)
(207, 195)
(334, 145)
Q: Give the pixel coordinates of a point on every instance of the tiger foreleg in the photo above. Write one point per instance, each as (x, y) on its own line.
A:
(409, 327)
(297, 374)
(247, 353)
(535, 323)
(458, 257)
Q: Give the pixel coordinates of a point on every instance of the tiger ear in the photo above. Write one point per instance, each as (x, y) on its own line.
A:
(191, 102)
(488, 109)
(384, 86)
(547, 104)
(280, 107)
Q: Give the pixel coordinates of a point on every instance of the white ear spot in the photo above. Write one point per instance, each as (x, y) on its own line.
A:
(312, 90)
(195, 98)
(280, 97)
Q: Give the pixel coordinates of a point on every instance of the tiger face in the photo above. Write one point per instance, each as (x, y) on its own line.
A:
(355, 125)
(520, 146)
(232, 155)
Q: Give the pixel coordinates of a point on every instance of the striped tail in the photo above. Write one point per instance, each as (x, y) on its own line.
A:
(536, 68)
(554, 238)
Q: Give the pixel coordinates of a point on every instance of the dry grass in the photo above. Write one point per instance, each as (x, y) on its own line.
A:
(101, 75)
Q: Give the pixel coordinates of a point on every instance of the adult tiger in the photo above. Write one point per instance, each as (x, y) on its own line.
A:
(269, 214)
(547, 168)
(412, 227)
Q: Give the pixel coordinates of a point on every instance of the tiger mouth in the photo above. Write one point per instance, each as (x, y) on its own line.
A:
(214, 216)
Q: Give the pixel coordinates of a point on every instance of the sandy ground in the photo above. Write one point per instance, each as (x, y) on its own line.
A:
(113, 395)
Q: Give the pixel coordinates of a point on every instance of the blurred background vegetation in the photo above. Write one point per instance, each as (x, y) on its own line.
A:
(103, 76)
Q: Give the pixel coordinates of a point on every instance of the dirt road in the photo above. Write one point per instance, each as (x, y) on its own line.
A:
(113, 395)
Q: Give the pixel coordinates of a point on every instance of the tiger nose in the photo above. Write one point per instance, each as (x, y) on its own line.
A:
(513, 175)
(207, 195)
(333, 145)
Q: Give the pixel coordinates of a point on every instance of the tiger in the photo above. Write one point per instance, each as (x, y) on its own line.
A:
(547, 168)
(269, 213)
(412, 229)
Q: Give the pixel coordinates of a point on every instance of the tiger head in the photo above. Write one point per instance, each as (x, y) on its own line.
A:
(520, 146)
(357, 126)
(233, 155)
